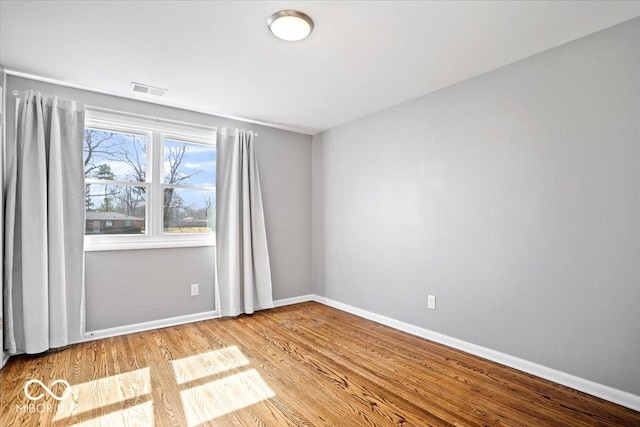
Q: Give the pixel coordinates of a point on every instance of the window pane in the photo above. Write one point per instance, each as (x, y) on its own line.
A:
(115, 156)
(115, 209)
(189, 164)
(189, 211)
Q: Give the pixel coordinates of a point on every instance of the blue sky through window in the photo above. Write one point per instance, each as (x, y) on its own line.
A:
(197, 165)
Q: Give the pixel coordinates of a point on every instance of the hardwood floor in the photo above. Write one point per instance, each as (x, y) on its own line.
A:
(300, 365)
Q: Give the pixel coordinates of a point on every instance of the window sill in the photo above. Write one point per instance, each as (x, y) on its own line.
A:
(155, 244)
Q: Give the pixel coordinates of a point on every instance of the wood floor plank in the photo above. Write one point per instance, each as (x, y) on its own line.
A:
(387, 370)
(522, 383)
(305, 389)
(301, 365)
(365, 376)
(472, 378)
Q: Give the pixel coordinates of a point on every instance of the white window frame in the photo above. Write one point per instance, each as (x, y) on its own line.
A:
(156, 132)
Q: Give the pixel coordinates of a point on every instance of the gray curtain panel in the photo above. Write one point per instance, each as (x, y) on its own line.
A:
(243, 271)
(44, 225)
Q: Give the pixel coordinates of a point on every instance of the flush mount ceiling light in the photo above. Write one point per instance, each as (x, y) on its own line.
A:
(290, 25)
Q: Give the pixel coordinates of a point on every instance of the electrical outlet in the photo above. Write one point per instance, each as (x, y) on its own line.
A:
(431, 302)
(194, 290)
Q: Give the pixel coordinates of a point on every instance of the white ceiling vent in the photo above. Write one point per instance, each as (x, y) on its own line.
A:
(140, 88)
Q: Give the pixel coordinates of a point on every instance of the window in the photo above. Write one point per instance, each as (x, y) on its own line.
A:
(148, 184)
(188, 186)
(115, 180)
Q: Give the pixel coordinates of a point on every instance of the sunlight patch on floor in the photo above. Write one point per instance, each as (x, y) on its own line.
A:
(105, 392)
(220, 397)
(206, 364)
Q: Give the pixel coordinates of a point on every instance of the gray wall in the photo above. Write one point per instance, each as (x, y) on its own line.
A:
(118, 289)
(318, 266)
(143, 285)
(514, 197)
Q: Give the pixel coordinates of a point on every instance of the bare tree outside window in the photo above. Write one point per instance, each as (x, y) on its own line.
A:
(189, 175)
(113, 163)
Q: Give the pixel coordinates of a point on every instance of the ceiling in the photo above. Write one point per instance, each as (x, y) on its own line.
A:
(220, 58)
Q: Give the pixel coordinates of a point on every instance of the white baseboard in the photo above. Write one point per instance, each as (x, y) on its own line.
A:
(611, 394)
(173, 321)
(146, 326)
(294, 300)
